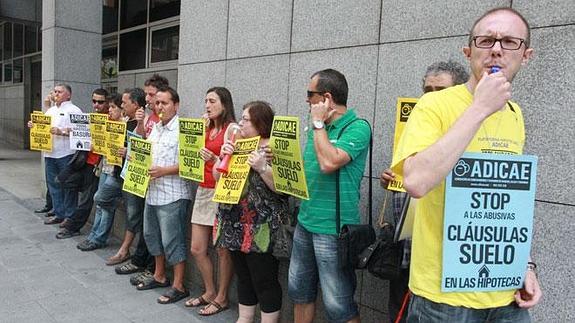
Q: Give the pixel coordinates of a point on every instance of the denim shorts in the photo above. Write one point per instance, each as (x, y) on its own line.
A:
(424, 310)
(314, 260)
(165, 229)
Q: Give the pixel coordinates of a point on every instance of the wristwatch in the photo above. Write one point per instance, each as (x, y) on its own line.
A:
(318, 124)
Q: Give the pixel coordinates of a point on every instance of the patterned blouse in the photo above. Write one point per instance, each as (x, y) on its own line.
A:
(250, 225)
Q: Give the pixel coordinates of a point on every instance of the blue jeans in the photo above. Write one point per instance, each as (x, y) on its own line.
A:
(314, 259)
(165, 230)
(422, 310)
(106, 198)
(134, 212)
(64, 200)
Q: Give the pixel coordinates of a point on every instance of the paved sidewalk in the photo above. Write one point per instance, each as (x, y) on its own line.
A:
(43, 279)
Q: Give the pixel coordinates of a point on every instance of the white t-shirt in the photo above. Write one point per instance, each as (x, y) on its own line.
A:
(61, 119)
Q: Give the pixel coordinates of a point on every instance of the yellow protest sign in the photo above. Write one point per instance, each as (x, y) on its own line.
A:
(404, 107)
(287, 164)
(98, 132)
(115, 137)
(40, 136)
(230, 186)
(192, 139)
(139, 162)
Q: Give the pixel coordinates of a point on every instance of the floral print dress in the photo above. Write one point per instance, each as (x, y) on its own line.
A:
(250, 225)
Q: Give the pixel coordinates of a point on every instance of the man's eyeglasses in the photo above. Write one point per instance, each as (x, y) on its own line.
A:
(311, 93)
(98, 101)
(509, 43)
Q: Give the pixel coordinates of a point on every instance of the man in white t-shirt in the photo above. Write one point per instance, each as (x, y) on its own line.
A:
(55, 161)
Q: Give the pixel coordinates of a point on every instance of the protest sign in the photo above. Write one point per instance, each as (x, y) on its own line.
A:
(98, 132)
(287, 164)
(488, 222)
(230, 186)
(80, 135)
(403, 107)
(139, 162)
(192, 139)
(115, 137)
(129, 135)
(40, 136)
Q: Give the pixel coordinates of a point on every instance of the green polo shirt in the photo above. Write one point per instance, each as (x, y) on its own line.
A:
(317, 214)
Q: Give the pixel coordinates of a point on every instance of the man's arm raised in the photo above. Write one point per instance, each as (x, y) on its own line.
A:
(426, 169)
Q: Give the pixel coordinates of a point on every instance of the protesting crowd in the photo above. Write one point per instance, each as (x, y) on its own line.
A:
(229, 190)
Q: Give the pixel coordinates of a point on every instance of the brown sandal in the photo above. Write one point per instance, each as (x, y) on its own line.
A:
(196, 301)
(219, 309)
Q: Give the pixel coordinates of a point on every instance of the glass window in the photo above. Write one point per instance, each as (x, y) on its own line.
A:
(162, 9)
(18, 40)
(165, 44)
(17, 72)
(133, 13)
(109, 62)
(8, 72)
(39, 39)
(132, 50)
(1, 47)
(110, 16)
(8, 41)
(1, 73)
(30, 39)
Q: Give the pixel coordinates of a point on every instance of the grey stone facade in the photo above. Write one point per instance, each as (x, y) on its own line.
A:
(267, 51)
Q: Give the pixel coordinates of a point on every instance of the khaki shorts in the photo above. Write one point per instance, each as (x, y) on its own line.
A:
(205, 210)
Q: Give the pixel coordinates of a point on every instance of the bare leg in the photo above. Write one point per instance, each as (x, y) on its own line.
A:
(225, 274)
(199, 248)
(246, 313)
(304, 313)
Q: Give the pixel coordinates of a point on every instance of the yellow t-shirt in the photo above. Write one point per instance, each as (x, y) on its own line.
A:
(503, 132)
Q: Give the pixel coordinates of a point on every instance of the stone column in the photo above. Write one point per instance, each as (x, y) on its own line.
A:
(72, 47)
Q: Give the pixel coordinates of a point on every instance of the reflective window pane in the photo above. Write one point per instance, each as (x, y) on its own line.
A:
(110, 16)
(39, 39)
(109, 63)
(134, 13)
(1, 46)
(18, 40)
(17, 72)
(8, 72)
(165, 44)
(162, 9)
(30, 40)
(132, 50)
(8, 41)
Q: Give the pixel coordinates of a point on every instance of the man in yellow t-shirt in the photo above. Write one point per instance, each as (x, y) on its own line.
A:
(474, 117)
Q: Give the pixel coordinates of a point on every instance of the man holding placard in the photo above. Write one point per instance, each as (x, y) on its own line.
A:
(167, 202)
(442, 130)
(64, 200)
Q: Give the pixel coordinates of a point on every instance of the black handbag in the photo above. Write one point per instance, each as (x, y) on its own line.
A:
(283, 239)
(383, 257)
(77, 173)
(353, 239)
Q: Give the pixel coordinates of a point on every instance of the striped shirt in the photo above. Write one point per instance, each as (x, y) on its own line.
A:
(166, 189)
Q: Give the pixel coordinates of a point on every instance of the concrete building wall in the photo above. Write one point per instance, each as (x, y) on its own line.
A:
(12, 119)
(268, 51)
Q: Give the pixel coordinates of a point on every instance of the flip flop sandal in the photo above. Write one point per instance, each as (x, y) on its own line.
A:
(219, 309)
(196, 301)
(151, 283)
(173, 295)
(117, 260)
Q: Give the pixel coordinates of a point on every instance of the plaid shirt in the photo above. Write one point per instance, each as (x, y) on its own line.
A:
(397, 199)
(166, 189)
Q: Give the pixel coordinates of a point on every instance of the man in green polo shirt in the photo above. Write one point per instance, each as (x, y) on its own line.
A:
(314, 257)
